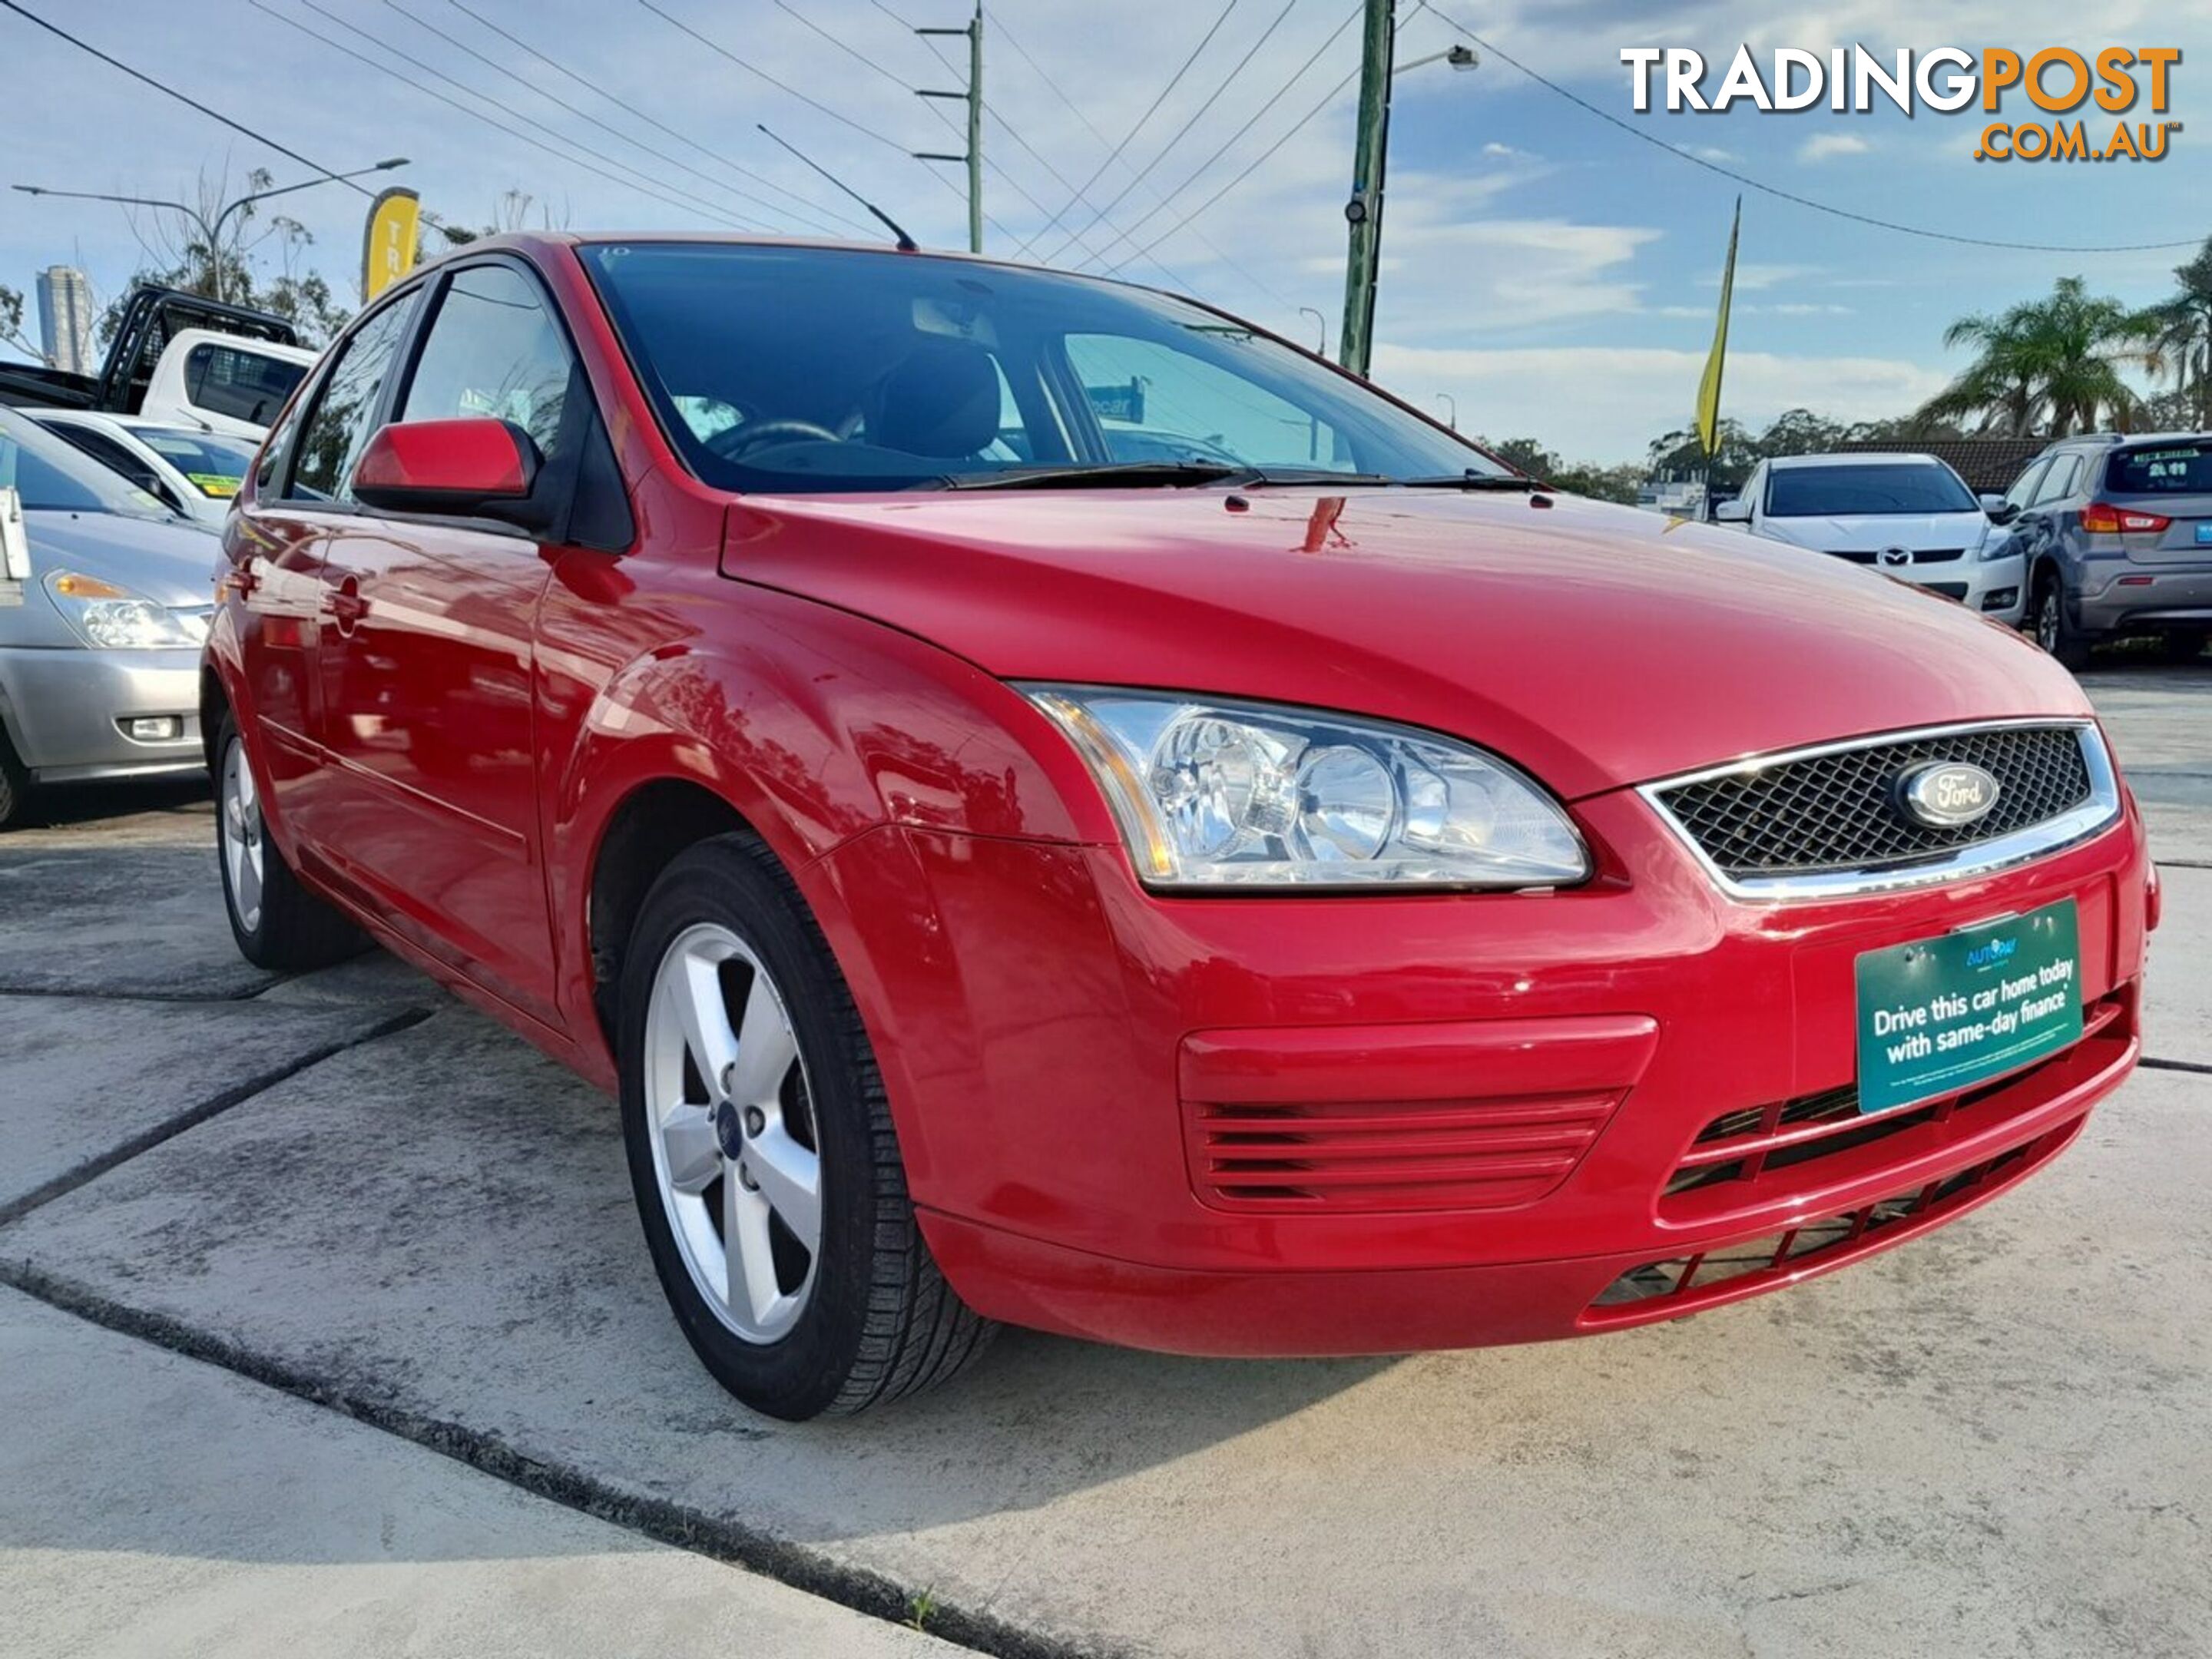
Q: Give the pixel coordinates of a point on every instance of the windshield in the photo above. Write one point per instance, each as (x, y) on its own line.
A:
(812, 369)
(1805, 492)
(215, 466)
(2168, 469)
(52, 475)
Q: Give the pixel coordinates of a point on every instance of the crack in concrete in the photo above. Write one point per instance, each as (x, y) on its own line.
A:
(718, 1538)
(2196, 1067)
(169, 1127)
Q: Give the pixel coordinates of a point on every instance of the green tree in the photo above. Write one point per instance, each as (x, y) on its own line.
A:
(11, 325)
(2050, 366)
(2182, 336)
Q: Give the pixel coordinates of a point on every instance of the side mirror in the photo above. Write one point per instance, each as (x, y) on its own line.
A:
(15, 545)
(468, 468)
(1735, 510)
(2000, 510)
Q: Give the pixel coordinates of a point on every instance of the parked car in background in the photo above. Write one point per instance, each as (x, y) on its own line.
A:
(1907, 516)
(99, 642)
(225, 384)
(1223, 905)
(2117, 532)
(191, 471)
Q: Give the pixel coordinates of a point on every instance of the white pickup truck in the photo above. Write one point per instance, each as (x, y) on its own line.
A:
(182, 359)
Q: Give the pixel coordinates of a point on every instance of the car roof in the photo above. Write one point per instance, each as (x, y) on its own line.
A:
(1878, 458)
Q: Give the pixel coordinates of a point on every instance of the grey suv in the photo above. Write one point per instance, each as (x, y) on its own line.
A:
(2118, 535)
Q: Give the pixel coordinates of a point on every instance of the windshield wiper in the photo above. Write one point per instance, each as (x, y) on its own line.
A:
(1471, 479)
(1138, 475)
(1109, 475)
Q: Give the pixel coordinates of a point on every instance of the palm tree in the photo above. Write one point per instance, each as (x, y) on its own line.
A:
(2183, 335)
(2052, 363)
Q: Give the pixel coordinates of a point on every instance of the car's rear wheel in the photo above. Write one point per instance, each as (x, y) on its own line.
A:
(2054, 629)
(14, 783)
(276, 922)
(762, 1152)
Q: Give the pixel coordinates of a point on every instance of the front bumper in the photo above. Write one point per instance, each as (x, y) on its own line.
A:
(1997, 588)
(1060, 1045)
(64, 710)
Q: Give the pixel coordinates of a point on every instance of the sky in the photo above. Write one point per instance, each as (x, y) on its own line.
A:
(1549, 274)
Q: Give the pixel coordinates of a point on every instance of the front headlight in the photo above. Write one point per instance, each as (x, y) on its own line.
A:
(1996, 541)
(1213, 793)
(114, 618)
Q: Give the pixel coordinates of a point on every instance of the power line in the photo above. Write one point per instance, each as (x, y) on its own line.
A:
(584, 116)
(643, 178)
(761, 178)
(1174, 81)
(694, 204)
(761, 74)
(1230, 142)
(168, 91)
(1091, 127)
(1327, 98)
(1160, 155)
(1750, 183)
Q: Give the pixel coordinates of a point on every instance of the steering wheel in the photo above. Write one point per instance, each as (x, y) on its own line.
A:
(736, 441)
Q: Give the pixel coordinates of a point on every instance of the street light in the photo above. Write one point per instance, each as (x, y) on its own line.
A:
(1321, 322)
(1452, 406)
(1459, 58)
(211, 230)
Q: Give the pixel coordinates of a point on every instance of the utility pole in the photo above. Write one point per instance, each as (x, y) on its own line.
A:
(973, 99)
(1364, 212)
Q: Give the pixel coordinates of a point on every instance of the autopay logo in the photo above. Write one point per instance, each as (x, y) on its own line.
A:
(1989, 955)
(2102, 104)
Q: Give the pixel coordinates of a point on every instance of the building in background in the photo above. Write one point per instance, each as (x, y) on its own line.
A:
(65, 318)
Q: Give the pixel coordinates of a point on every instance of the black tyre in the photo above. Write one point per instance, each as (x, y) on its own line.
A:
(14, 783)
(752, 1111)
(276, 922)
(2054, 629)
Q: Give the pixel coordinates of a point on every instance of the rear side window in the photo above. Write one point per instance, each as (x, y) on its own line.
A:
(2162, 470)
(2057, 483)
(247, 386)
(345, 406)
(493, 350)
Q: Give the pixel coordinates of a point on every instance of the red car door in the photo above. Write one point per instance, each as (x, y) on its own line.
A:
(428, 661)
(276, 547)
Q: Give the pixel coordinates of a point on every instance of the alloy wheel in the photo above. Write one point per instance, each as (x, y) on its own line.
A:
(242, 848)
(2048, 620)
(735, 1153)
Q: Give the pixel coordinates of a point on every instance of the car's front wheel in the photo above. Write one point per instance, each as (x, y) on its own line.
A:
(276, 922)
(14, 783)
(762, 1152)
(2054, 629)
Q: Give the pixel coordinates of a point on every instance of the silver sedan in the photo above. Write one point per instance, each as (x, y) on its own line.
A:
(101, 634)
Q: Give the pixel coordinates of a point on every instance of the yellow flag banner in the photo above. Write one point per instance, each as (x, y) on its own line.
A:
(1709, 387)
(387, 246)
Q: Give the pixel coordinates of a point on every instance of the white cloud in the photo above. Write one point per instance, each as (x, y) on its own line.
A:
(1507, 153)
(1605, 403)
(1712, 153)
(1823, 146)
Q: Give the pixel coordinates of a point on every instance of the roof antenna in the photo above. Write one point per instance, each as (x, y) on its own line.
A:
(906, 243)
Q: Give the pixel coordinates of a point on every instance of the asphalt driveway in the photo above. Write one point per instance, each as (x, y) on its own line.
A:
(347, 1189)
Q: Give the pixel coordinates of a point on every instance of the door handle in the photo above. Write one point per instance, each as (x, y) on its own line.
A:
(345, 604)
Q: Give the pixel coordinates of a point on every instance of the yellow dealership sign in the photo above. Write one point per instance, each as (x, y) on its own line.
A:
(387, 248)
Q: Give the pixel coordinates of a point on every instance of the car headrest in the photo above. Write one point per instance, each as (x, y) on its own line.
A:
(942, 400)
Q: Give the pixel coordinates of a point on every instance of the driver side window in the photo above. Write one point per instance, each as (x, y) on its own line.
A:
(493, 350)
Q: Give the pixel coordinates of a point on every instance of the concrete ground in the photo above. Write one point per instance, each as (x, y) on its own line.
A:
(1995, 1441)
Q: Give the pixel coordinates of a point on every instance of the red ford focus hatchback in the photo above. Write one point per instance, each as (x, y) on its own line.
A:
(1053, 805)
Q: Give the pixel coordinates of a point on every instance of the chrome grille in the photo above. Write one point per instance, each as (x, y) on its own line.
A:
(1835, 809)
